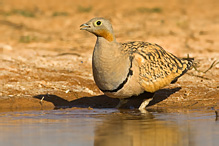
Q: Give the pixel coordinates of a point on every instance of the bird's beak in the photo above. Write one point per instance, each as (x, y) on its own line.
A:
(84, 26)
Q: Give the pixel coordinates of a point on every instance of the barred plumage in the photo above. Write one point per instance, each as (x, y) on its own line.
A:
(158, 68)
(128, 69)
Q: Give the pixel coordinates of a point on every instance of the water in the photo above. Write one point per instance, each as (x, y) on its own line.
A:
(108, 127)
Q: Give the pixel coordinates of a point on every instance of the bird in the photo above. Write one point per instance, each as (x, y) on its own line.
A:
(124, 70)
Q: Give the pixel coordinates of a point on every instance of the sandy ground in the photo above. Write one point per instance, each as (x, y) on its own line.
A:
(45, 60)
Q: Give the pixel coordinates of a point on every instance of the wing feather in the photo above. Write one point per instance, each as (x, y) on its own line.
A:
(157, 68)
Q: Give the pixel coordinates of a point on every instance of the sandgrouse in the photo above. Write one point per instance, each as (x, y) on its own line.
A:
(129, 69)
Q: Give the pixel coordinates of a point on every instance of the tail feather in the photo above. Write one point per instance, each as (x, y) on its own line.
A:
(189, 63)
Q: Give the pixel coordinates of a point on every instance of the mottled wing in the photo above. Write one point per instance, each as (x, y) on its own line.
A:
(157, 68)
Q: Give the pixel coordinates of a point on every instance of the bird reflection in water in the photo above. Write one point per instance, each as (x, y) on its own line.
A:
(137, 129)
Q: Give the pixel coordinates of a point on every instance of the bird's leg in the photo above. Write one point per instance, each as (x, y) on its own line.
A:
(145, 103)
(122, 101)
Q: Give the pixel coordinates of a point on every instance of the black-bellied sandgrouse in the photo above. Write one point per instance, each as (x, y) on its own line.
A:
(129, 69)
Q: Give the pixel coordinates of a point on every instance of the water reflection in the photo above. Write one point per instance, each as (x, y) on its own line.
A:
(108, 127)
(137, 130)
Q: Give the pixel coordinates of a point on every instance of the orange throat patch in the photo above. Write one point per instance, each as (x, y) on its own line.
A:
(105, 34)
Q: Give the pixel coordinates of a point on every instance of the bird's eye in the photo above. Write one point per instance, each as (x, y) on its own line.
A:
(98, 23)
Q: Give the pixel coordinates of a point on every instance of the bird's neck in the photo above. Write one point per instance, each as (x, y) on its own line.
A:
(106, 53)
(107, 49)
(109, 36)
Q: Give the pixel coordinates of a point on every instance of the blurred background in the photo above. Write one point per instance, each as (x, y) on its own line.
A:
(43, 51)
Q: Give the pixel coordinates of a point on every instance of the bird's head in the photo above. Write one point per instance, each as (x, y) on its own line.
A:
(100, 27)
